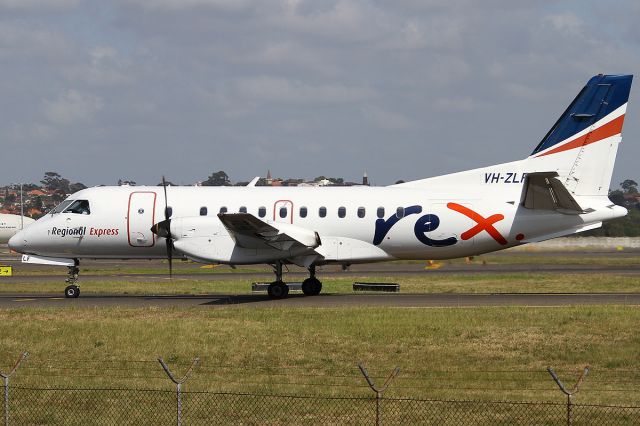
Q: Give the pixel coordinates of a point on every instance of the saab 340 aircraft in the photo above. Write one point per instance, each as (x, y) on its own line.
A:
(560, 189)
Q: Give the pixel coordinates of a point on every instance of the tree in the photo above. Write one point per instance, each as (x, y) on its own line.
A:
(38, 204)
(617, 197)
(629, 186)
(75, 187)
(218, 178)
(52, 181)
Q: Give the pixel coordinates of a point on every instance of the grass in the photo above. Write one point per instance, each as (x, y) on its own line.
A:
(477, 353)
(418, 283)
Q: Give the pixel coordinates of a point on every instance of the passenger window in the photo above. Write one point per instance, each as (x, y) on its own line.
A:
(361, 212)
(400, 212)
(243, 209)
(342, 212)
(380, 212)
(223, 209)
(169, 211)
(79, 207)
(262, 211)
(203, 211)
(322, 211)
(303, 212)
(283, 212)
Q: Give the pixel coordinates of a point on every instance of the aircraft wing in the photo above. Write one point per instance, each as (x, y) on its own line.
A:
(544, 191)
(250, 232)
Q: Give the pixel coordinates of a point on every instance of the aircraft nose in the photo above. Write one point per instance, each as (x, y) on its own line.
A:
(18, 242)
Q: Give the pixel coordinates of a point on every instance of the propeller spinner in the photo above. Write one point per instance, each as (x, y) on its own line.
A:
(163, 229)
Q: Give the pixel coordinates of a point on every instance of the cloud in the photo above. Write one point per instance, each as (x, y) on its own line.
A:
(72, 107)
(175, 5)
(100, 66)
(37, 5)
(565, 23)
(384, 119)
(280, 90)
(20, 40)
(455, 104)
(294, 76)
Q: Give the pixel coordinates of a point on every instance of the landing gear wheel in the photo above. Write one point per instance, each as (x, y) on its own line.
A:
(72, 291)
(278, 290)
(311, 287)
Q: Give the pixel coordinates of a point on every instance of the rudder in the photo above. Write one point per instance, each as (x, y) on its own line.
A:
(582, 145)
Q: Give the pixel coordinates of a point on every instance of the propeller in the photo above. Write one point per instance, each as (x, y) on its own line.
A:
(163, 229)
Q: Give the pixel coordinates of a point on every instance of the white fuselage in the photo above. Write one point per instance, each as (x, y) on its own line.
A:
(361, 224)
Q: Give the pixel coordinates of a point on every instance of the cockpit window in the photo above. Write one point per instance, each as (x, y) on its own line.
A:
(79, 207)
(60, 208)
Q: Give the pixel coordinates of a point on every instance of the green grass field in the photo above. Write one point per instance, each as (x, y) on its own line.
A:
(471, 353)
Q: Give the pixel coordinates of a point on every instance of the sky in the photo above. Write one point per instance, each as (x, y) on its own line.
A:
(405, 89)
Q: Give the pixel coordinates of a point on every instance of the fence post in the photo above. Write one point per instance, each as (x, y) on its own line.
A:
(569, 393)
(179, 383)
(5, 377)
(378, 390)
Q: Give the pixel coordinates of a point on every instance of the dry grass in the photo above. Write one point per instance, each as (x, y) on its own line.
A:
(487, 353)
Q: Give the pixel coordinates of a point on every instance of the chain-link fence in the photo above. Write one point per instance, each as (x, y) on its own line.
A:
(33, 406)
(36, 402)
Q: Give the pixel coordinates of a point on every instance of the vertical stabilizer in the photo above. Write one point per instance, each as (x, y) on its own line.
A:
(582, 145)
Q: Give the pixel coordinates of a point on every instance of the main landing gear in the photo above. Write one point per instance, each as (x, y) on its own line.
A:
(72, 290)
(279, 290)
(312, 286)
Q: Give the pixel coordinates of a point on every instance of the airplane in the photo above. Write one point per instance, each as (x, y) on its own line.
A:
(11, 224)
(559, 189)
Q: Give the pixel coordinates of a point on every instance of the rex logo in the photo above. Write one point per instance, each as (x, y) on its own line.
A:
(431, 222)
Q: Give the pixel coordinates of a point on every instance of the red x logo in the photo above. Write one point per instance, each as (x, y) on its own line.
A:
(483, 224)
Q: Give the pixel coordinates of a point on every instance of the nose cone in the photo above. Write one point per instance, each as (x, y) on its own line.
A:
(19, 242)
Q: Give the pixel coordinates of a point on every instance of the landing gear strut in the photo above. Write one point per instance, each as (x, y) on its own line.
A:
(312, 286)
(278, 289)
(72, 290)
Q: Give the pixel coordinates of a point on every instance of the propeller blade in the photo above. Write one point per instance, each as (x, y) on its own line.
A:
(170, 256)
(164, 229)
(166, 203)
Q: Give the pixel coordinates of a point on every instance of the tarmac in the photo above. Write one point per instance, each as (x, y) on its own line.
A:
(447, 300)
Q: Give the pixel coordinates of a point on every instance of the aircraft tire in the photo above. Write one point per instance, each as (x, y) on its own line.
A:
(72, 291)
(311, 287)
(278, 290)
(317, 288)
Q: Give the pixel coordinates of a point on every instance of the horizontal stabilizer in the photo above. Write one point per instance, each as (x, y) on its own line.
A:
(250, 232)
(563, 233)
(543, 191)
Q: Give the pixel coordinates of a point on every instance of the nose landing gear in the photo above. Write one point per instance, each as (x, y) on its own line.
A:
(73, 290)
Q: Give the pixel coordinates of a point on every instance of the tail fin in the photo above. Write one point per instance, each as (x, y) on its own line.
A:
(582, 145)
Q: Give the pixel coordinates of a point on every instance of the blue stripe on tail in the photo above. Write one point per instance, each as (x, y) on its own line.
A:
(602, 95)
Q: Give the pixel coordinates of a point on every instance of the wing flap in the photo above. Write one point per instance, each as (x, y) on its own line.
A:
(250, 232)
